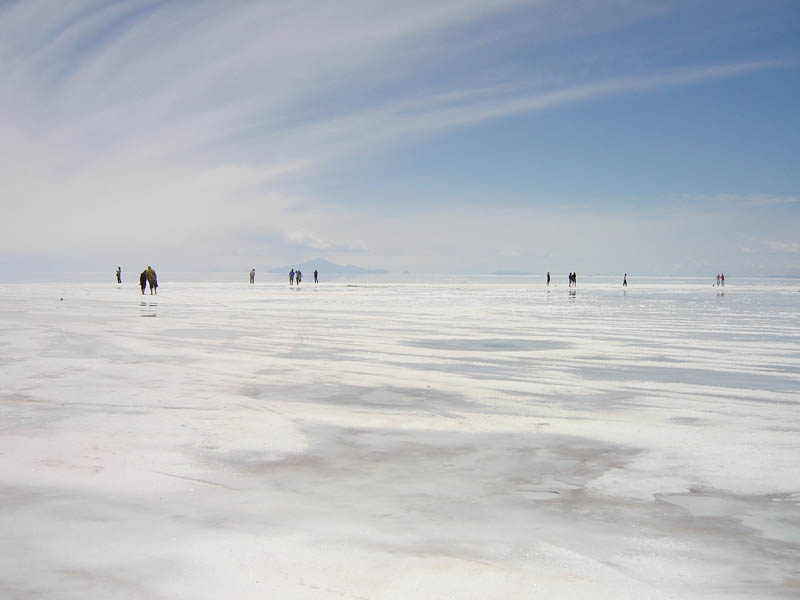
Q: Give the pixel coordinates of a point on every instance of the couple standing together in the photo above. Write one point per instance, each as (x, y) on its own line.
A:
(149, 276)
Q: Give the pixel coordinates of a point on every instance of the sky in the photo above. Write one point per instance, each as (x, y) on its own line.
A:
(647, 137)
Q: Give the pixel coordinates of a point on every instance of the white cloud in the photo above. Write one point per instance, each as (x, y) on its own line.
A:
(509, 253)
(741, 200)
(766, 200)
(783, 246)
(313, 241)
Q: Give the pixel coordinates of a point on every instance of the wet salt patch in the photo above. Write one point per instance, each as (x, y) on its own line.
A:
(533, 493)
(703, 506)
(717, 378)
(489, 345)
(777, 524)
(687, 420)
(787, 498)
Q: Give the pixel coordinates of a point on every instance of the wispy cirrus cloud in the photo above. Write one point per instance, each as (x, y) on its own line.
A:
(366, 128)
(783, 247)
(766, 200)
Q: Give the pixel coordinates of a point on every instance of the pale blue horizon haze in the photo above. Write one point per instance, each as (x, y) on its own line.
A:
(653, 138)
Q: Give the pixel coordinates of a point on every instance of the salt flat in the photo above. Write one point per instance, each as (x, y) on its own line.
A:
(457, 439)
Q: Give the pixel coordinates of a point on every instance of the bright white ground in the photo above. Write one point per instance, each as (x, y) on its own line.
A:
(449, 440)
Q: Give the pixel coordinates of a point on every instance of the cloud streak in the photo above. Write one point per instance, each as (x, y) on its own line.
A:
(438, 113)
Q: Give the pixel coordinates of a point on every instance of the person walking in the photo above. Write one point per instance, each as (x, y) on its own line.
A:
(152, 279)
(291, 277)
(548, 279)
(119, 274)
(625, 280)
(252, 276)
(315, 276)
(143, 280)
(722, 279)
(298, 276)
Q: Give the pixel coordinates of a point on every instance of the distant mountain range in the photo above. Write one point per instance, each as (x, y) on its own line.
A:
(327, 269)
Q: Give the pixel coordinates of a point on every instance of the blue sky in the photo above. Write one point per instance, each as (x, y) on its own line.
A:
(455, 137)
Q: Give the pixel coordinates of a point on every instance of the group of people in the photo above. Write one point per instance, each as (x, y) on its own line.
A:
(294, 276)
(721, 279)
(297, 276)
(148, 276)
(573, 281)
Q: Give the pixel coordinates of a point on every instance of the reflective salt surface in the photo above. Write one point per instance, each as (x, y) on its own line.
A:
(401, 440)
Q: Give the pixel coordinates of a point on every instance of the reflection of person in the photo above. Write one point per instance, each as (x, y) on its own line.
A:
(143, 280)
(252, 275)
(119, 274)
(152, 279)
(315, 276)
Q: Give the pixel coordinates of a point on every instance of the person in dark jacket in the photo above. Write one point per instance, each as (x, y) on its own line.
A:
(143, 280)
(152, 279)
(119, 274)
